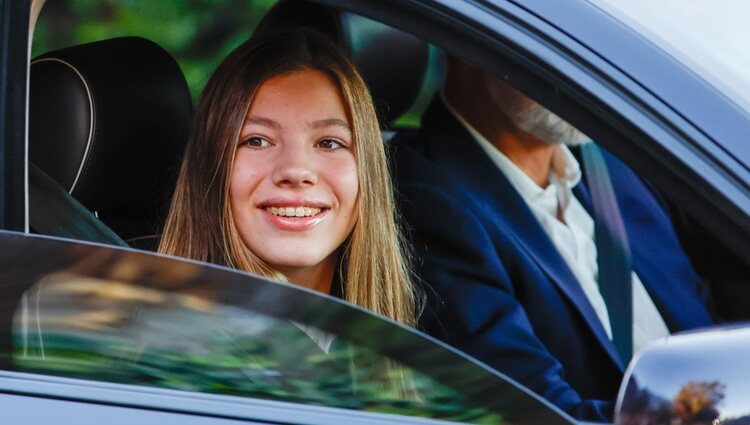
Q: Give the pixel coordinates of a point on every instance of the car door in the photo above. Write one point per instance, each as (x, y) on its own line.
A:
(85, 325)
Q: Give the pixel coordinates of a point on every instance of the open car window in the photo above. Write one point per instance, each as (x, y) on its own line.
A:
(104, 314)
(199, 36)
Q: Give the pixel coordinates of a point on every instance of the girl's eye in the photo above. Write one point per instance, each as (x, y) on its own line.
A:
(256, 142)
(330, 144)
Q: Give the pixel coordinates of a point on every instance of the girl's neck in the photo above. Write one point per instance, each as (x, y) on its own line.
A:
(318, 277)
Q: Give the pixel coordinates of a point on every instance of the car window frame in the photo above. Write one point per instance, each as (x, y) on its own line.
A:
(14, 48)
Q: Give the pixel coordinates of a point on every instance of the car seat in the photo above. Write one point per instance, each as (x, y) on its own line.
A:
(108, 123)
(392, 62)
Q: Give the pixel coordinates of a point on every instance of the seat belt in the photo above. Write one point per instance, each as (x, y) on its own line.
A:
(53, 211)
(613, 251)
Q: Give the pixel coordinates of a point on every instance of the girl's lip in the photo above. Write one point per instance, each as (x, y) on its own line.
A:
(292, 202)
(294, 224)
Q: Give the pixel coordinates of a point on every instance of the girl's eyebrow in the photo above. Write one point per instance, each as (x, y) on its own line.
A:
(263, 121)
(330, 122)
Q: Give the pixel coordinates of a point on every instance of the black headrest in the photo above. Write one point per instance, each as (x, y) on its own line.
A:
(393, 63)
(109, 121)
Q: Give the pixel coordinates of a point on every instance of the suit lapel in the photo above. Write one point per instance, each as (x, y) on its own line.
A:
(484, 181)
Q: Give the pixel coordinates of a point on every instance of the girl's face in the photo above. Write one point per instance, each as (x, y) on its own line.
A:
(294, 186)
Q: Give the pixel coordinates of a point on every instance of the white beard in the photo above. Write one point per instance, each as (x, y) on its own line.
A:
(535, 119)
(546, 126)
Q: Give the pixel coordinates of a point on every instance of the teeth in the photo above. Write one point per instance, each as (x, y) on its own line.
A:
(293, 211)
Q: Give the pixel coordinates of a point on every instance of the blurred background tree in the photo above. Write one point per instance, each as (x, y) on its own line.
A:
(698, 402)
(198, 33)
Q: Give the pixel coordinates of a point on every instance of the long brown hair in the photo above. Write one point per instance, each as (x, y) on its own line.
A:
(200, 224)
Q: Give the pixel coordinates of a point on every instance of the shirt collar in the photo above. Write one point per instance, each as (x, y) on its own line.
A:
(565, 171)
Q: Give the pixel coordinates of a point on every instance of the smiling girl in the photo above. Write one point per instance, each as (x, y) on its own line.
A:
(285, 176)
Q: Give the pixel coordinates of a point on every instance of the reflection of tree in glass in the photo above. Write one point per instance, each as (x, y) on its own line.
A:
(698, 402)
(168, 339)
(642, 407)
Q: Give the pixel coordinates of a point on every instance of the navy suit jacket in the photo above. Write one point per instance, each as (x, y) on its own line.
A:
(497, 287)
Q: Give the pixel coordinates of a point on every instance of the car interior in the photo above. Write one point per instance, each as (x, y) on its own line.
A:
(109, 121)
(108, 154)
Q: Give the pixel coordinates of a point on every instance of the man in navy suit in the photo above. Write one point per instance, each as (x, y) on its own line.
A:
(502, 225)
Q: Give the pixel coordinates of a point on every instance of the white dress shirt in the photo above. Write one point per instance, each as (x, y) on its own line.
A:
(573, 236)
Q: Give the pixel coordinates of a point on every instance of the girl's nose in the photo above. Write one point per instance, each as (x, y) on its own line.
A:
(294, 168)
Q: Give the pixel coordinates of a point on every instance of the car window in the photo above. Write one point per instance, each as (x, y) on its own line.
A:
(104, 314)
(198, 35)
(717, 259)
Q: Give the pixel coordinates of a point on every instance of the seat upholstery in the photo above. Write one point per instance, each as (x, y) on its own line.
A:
(392, 62)
(109, 121)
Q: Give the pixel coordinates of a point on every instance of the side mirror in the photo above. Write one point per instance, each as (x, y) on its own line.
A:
(695, 378)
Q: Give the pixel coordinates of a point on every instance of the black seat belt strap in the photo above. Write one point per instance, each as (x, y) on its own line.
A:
(613, 251)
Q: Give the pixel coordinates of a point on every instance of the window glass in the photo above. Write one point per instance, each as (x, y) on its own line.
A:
(128, 317)
(108, 329)
(112, 330)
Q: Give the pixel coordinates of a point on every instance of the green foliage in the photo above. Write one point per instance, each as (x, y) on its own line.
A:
(282, 364)
(198, 33)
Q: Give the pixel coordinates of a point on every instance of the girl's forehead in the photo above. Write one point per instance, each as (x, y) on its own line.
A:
(300, 96)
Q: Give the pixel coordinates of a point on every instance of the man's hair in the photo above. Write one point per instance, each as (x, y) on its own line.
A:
(200, 225)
